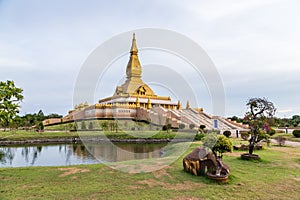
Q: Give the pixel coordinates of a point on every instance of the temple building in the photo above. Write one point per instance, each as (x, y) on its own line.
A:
(135, 100)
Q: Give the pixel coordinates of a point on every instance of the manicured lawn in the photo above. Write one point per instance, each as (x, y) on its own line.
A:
(27, 135)
(276, 176)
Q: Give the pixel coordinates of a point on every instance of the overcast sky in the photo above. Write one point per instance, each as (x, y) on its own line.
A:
(255, 45)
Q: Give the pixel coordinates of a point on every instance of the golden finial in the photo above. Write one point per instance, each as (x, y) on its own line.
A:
(188, 105)
(134, 49)
(179, 105)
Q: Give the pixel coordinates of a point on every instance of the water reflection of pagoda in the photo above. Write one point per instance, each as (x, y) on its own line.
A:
(134, 99)
(119, 152)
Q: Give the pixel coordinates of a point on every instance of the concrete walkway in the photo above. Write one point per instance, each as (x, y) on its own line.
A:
(288, 143)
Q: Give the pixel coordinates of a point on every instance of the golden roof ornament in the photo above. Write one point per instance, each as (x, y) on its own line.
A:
(188, 105)
(178, 105)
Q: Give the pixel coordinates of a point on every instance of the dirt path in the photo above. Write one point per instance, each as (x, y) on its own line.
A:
(288, 143)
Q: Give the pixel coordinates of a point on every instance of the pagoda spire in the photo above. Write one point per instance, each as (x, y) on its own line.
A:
(134, 68)
(134, 49)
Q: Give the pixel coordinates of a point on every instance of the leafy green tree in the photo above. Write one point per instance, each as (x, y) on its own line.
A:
(259, 111)
(10, 97)
(227, 133)
(91, 126)
(202, 127)
(53, 115)
(167, 127)
(104, 125)
(295, 120)
(40, 116)
(83, 126)
(237, 119)
(40, 127)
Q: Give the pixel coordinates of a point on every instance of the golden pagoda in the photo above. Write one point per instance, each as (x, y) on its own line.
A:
(135, 100)
(134, 88)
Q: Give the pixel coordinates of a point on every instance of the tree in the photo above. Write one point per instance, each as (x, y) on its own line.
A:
(181, 126)
(166, 127)
(10, 97)
(104, 125)
(192, 126)
(227, 133)
(202, 127)
(83, 126)
(40, 116)
(295, 120)
(259, 111)
(40, 127)
(91, 126)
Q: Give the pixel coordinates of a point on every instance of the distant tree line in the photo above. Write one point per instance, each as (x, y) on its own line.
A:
(294, 121)
(10, 98)
(30, 120)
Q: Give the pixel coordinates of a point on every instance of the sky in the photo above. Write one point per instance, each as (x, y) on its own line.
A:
(255, 46)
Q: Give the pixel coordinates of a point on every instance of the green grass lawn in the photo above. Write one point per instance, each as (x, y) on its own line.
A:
(276, 176)
(27, 135)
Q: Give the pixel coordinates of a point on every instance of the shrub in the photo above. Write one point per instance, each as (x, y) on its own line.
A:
(164, 128)
(83, 126)
(40, 127)
(192, 126)
(202, 127)
(199, 136)
(227, 133)
(218, 144)
(245, 135)
(91, 126)
(271, 131)
(296, 133)
(222, 145)
(72, 126)
(181, 126)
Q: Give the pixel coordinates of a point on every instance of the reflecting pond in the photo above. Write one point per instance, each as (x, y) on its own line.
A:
(74, 154)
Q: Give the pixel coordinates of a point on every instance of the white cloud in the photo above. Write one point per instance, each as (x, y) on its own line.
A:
(285, 111)
(14, 63)
(254, 44)
(218, 9)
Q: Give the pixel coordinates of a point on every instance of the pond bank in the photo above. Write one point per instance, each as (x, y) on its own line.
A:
(82, 139)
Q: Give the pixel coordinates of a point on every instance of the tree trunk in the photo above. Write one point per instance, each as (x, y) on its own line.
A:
(252, 142)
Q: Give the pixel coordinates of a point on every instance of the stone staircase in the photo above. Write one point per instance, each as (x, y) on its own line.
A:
(162, 116)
